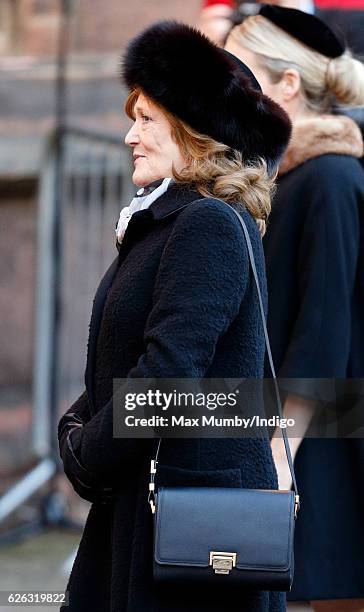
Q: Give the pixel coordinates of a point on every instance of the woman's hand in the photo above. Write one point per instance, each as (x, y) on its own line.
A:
(83, 481)
(301, 411)
(281, 463)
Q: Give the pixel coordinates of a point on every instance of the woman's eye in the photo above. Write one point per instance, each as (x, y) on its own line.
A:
(145, 118)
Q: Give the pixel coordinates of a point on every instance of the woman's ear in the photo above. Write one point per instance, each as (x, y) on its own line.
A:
(290, 84)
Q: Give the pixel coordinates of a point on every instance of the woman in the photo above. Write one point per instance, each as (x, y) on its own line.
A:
(315, 270)
(178, 301)
(217, 16)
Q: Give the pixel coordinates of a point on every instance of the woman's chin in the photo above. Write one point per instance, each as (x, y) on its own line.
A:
(139, 179)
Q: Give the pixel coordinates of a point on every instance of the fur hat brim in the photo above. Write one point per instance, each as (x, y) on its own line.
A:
(183, 71)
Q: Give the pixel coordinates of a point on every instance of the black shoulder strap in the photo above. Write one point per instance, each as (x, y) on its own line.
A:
(267, 344)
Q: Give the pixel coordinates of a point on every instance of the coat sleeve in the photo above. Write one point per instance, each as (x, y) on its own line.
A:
(199, 288)
(319, 344)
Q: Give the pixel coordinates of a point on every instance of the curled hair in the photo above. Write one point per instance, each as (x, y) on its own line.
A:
(216, 170)
(325, 82)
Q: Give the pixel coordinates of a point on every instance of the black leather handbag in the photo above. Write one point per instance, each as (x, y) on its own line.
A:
(206, 536)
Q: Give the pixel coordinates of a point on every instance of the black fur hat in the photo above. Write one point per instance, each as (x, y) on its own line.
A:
(209, 89)
(308, 29)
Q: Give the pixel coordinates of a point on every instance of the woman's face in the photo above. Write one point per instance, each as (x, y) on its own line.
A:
(250, 59)
(286, 92)
(154, 149)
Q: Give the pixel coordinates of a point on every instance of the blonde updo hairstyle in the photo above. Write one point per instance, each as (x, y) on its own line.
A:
(325, 82)
(216, 170)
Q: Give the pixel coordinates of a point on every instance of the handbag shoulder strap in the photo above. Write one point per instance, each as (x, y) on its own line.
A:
(271, 365)
(267, 344)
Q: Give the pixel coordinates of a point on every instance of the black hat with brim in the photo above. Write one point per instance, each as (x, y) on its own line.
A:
(206, 87)
(308, 29)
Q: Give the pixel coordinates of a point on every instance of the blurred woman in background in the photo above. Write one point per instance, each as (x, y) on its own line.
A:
(217, 17)
(314, 250)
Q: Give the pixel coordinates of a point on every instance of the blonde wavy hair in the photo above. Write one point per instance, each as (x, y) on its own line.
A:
(215, 170)
(325, 82)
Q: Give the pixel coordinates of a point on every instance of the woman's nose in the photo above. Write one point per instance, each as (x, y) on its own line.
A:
(132, 137)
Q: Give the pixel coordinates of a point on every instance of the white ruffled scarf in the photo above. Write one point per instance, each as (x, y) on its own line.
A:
(143, 199)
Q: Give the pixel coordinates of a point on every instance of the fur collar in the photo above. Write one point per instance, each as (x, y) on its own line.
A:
(320, 135)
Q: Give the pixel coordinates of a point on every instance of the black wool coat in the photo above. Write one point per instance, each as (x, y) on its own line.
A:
(314, 248)
(178, 301)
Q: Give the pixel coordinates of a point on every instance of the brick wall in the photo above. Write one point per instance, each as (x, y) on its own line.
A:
(108, 26)
(100, 27)
(17, 274)
(96, 28)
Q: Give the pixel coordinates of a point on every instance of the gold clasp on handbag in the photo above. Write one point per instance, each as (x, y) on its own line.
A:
(222, 562)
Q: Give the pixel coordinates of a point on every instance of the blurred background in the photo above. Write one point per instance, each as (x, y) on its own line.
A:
(64, 175)
(61, 190)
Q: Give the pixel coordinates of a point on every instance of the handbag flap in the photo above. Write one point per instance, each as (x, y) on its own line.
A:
(255, 524)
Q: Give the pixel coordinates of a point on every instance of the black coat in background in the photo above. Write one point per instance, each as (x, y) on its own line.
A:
(179, 301)
(314, 250)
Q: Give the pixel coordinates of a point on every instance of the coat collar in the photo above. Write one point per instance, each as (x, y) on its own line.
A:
(317, 136)
(176, 197)
(171, 202)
